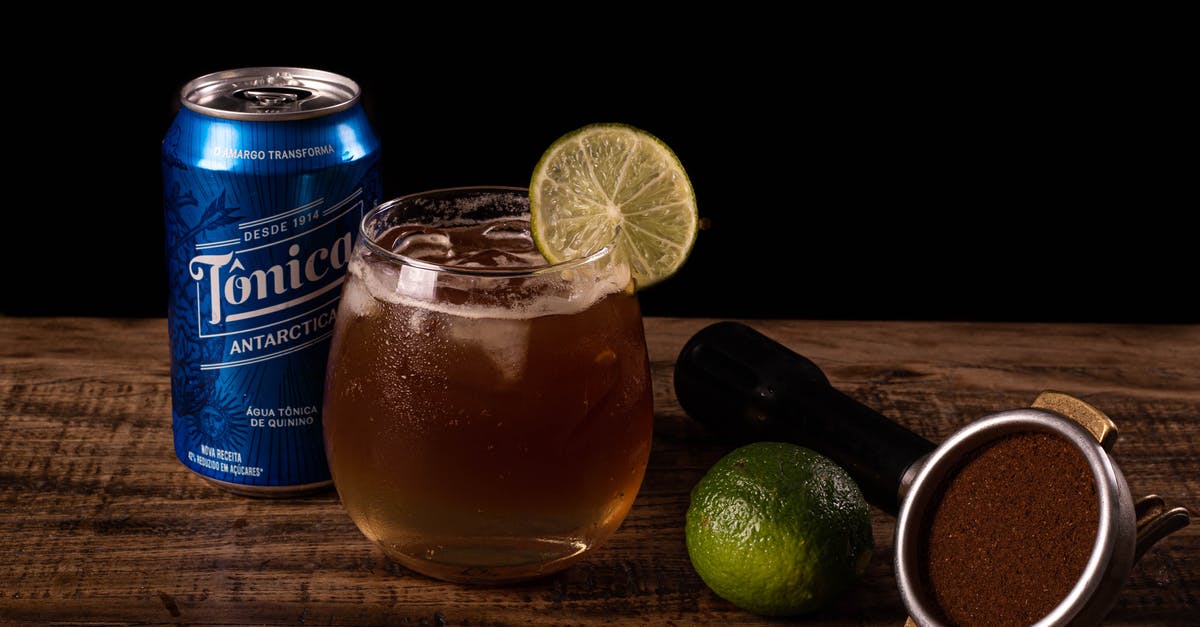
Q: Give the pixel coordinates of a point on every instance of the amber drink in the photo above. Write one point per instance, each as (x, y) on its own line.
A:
(488, 415)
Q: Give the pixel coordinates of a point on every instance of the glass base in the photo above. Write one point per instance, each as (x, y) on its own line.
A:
(487, 560)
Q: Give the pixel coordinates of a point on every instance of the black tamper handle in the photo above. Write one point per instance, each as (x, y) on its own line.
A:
(748, 387)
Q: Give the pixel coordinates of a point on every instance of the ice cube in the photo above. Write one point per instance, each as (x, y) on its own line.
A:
(504, 342)
(432, 246)
(418, 283)
(357, 300)
(516, 231)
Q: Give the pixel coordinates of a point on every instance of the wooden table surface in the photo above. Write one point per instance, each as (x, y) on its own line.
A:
(99, 523)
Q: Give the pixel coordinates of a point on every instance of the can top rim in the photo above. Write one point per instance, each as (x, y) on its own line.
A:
(270, 93)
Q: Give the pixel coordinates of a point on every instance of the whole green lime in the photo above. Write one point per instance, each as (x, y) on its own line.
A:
(778, 529)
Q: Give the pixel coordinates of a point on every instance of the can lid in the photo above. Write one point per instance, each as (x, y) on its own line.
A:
(270, 93)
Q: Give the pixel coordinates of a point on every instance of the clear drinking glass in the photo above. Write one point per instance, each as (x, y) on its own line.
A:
(488, 415)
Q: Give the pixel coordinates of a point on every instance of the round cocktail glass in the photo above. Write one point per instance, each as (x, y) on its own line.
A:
(488, 415)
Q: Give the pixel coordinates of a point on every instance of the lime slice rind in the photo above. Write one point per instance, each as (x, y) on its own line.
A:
(606, 179)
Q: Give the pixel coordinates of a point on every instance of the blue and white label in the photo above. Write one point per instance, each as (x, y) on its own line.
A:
(274, 290)
(258, 239)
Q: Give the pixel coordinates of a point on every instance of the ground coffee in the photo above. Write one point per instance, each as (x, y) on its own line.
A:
(1011, 533)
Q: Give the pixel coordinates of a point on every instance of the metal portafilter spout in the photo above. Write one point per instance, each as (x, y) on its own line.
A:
(746, 386)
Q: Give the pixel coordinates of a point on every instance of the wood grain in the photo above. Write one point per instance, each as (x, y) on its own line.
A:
(99, 523)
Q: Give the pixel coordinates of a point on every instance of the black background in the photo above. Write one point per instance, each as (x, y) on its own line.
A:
(842, 172)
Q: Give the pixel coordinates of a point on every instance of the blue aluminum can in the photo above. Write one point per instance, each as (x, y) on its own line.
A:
(266, 174)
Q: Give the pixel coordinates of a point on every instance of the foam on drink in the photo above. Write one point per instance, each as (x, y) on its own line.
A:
(500, 245)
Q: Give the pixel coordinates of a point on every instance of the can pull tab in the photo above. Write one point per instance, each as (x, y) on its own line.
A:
(1155, 520)
(269, 99)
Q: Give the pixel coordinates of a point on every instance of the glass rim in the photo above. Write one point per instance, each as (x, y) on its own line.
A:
(548, 267)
